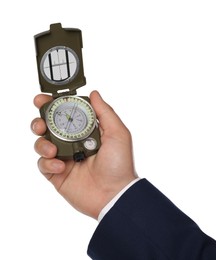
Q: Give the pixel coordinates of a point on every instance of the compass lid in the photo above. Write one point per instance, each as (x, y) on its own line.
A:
(59, 59)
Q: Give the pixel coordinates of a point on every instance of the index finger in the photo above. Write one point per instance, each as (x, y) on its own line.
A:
(41, 99)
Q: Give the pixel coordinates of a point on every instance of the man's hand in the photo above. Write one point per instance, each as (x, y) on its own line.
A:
(89, 185)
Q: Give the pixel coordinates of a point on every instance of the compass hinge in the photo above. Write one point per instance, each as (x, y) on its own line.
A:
(65, 93)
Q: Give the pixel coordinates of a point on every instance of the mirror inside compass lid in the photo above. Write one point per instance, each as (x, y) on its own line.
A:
(59, 59)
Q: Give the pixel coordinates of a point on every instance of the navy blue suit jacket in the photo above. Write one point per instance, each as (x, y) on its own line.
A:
(145, 225)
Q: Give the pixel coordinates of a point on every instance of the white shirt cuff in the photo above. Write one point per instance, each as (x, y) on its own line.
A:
(114, 200)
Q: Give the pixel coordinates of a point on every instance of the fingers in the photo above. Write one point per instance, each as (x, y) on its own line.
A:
(47, 164)
(48, 167)
(109, 120)
(45, 148)
(41, 99)
(38, 126)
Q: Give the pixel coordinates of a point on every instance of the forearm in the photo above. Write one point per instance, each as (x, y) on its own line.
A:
(144, 224)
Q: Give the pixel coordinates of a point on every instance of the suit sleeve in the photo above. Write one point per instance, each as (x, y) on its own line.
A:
(145, 225)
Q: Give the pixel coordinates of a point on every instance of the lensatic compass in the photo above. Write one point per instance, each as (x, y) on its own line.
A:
(71, 121)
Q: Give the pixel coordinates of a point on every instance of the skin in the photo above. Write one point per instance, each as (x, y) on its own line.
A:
(89, 185)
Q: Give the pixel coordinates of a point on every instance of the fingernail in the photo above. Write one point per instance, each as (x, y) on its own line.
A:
(34, 127)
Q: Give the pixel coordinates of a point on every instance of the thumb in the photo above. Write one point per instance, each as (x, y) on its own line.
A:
(108, 119)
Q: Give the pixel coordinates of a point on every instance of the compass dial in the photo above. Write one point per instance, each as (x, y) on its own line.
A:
(70, 118)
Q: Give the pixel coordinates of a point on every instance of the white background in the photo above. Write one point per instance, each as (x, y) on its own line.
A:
(155, 63)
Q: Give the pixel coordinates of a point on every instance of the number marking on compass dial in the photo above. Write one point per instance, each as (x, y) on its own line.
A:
(70, 118)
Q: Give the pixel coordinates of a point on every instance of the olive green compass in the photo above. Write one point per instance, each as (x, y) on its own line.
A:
(71, 121)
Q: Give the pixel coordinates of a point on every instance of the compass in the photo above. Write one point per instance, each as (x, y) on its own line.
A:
(71, 121)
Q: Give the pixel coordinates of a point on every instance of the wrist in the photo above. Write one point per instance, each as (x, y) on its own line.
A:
(112, 202)
(105, 194)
